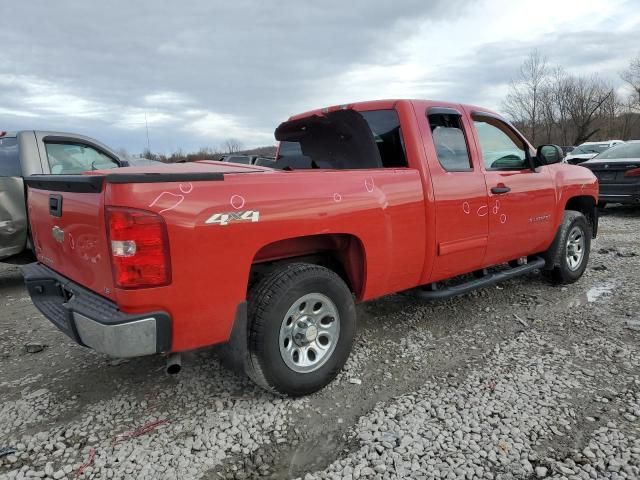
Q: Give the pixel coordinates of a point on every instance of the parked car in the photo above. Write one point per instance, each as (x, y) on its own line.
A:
(397, 195)
(588, 150)
(618, 171)
(249, 160)
(35, 152)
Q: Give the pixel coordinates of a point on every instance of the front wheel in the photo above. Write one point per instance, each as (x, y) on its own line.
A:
(573, 247)
(302, 324)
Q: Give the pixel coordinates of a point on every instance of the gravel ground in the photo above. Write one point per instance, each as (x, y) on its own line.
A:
(520, 381)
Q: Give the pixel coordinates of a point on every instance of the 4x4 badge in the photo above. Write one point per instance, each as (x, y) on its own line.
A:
(227, 218)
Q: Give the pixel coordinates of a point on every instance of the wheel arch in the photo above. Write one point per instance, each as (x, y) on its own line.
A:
(587, 205)
(341, 252)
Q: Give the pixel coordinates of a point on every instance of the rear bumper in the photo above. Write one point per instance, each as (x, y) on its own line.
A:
(94, 321)
(620, 193)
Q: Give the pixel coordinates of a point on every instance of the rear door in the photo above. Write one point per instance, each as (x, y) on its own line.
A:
(462, 228)
(521, 200)
(13, 217)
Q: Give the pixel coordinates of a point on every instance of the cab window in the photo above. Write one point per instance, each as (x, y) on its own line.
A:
(9, 159)
(343, 139)
(501, 147)
(70, 158)
(450, 142)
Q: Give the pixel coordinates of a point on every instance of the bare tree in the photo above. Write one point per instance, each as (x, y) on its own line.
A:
(524, 98)
(587, 97)
(560, 97)
(628, 120)
(232, 145)
(632, 76)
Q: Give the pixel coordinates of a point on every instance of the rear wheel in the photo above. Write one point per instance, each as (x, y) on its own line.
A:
(302, 324)
(572, 245)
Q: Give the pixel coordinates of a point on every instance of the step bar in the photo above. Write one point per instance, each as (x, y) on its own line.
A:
(490, 279)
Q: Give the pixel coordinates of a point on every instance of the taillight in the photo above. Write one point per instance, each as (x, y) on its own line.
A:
(139, 247)
(634, 172)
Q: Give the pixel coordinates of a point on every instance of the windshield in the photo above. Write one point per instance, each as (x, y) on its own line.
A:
(592, 148)
(624, 150)
(9, 160)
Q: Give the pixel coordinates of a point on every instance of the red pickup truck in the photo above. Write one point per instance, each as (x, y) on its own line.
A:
(364, 200)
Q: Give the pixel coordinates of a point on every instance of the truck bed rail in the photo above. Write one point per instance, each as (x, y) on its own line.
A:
(94, 183)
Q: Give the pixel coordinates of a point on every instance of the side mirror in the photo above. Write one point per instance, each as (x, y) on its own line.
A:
(549, 154)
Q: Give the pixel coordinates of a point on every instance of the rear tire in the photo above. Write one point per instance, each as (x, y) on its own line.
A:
(302, 323)
(571, 248)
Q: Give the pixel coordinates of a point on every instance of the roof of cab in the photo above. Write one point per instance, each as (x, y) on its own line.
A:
(387, 104)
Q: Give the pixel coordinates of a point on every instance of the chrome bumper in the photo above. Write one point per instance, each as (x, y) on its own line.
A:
(94, 321)
(130, 339)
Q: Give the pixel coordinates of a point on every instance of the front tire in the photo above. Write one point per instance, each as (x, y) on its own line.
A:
(302, 323)
(572, 247)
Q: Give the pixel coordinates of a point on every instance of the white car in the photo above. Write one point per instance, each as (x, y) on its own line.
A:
(588, 150)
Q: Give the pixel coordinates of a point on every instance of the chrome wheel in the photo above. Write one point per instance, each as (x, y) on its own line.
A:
(309, 333)
(575, 248)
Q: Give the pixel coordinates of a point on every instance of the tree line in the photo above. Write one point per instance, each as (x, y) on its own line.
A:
(229, 146)
(550, 105)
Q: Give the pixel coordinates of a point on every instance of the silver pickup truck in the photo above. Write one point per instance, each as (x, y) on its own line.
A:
(35, 152)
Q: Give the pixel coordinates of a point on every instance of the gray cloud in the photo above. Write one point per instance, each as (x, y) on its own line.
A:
(474, 78)
(205, 71)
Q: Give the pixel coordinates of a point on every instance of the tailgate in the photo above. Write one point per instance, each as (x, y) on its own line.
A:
(68, 229)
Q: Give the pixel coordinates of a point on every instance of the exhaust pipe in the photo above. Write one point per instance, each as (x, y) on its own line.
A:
(174, 363)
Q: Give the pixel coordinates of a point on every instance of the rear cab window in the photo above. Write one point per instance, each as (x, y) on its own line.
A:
(319, 143)
(72, 158)
(9, 158)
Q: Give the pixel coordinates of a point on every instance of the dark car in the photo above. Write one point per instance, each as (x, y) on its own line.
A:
(588, 150)
(618, 171)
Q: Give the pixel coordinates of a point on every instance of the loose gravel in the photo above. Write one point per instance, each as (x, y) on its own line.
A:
(520, 381)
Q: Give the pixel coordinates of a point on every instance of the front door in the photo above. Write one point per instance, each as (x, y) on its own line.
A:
(522, 200)
(460, 193)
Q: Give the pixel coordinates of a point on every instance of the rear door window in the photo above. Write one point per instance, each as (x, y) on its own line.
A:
(9, 158)
(70, 158)
(450, 142)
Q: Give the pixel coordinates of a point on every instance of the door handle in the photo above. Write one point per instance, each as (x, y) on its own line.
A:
(500, 189)
(55, 205)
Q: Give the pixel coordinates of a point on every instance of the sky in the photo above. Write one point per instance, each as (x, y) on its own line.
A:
(199, 72)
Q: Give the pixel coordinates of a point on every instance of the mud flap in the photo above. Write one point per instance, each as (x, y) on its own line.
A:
(233, 354)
